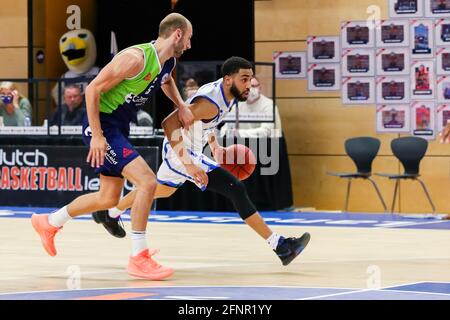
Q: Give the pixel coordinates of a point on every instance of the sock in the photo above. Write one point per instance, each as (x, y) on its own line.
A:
(273, 240)
(59, 218)
(115, 212)
(139, 242)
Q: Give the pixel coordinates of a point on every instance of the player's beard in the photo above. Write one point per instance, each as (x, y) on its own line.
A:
(178, 50)
(237, 94)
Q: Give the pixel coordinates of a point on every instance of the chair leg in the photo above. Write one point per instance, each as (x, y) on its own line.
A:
(379, 194)
(397, 183)
(349, 185)
(427, 194)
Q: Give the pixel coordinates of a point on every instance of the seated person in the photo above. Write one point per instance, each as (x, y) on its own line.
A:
(14, 107)
(442, 5)
(144, 119)
(256, 103)
(447, 93)
(190, 88)
(72, 110)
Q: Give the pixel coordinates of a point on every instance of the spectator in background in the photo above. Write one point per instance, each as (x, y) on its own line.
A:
(190, 87)
(14, 107)
(259, 104)
(73, 109)
(144, 119)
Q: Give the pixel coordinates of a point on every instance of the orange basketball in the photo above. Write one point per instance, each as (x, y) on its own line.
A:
(239, 161)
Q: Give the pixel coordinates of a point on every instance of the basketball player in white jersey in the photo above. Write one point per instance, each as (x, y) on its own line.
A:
(183, 158)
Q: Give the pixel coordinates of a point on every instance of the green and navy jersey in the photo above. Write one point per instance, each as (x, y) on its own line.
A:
(121, 104)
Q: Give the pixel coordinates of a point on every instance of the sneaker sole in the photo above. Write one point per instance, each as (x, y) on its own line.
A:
(116, 235)
(153, 278)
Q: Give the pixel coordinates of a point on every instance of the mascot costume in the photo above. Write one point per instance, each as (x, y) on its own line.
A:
(79, 52)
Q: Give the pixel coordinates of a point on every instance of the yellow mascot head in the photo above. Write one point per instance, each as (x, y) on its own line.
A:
(78, 50)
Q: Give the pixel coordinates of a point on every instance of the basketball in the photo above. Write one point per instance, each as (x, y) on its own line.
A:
(239, 161)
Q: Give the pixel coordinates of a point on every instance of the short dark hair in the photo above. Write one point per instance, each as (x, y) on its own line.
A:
(234, 64)
(172, 22)
(73, 86)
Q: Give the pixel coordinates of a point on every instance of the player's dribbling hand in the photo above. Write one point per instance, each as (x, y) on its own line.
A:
(198, 174)
(97, 151)
(219, 154)
(185, 116)
(445, 134)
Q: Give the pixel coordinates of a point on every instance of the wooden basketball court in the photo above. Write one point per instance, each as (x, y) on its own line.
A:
(344, 256)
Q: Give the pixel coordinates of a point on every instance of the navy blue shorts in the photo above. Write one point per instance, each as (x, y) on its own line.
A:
(119, 152)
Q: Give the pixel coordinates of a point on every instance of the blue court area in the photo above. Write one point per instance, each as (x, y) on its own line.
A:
(418, 291)
(313, 219)
(413, 291)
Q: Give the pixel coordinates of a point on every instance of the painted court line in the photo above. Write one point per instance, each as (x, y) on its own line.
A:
(169, 287)
(419, 292)
(335, 294)
(118, 296)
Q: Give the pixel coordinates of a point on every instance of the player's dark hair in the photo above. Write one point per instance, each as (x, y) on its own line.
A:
(234, 64)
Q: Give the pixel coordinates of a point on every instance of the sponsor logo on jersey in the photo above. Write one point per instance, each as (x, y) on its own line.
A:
(148, 77)
(137, 100)
(127, 152)
(165, 78)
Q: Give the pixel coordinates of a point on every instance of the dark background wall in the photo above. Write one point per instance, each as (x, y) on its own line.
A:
(221, 29)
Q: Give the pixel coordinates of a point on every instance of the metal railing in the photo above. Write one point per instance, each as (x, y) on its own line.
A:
(47, 93)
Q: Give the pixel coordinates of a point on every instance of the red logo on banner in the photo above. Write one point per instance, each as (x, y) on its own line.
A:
(311, 39)
(414, 62)
(346, 52)
(127, 152)
(380, 51)
(312, 67)
(277, 54)
(441, 79)
(439, 22)
(345, 24)
(440, 51)
(441, 108)
(380, 108)
(380, 79)
(345, 80)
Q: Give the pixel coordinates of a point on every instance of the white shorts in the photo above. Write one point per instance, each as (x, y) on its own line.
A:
(172, 172)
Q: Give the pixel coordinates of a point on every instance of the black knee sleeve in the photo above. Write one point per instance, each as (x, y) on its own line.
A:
(224, 183)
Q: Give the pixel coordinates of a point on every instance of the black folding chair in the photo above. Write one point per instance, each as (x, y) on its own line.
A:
(362, 150)
(409, 151)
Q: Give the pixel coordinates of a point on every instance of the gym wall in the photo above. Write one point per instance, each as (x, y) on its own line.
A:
(49, 23)
(317, 124)
(14, 39)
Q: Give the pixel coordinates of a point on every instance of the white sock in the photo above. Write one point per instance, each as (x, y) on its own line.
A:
(139, 242)
(115, 212)
(59, 218)
(273, 240)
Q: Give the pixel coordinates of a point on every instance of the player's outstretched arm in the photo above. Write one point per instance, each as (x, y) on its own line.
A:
(125, 65)
(202, 109)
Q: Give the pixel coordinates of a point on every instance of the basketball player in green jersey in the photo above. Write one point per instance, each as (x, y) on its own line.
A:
(113, 99)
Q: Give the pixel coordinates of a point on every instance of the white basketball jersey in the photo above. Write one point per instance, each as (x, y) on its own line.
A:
(196, 138)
